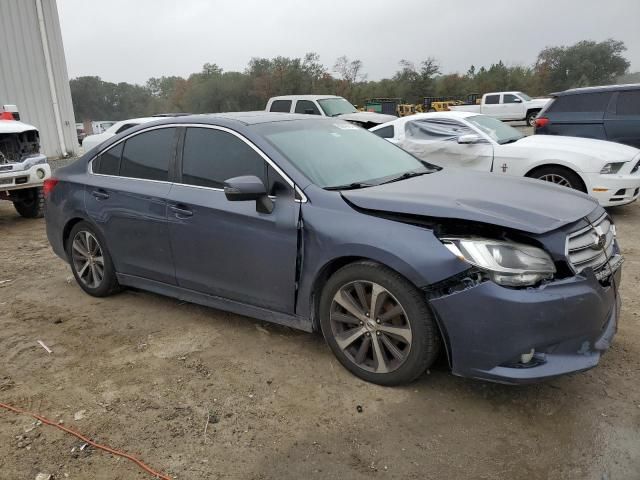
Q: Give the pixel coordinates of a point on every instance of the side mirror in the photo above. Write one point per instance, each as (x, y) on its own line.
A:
(517, 100)
(248, 187)
(468, 139)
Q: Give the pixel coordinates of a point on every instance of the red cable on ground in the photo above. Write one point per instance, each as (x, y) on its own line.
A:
(90, 442)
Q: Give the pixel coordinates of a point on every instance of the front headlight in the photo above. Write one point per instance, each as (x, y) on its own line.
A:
(612, 167)
(33, 161)
(507, 263)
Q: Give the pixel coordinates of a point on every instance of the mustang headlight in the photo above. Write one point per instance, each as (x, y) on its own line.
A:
(612, 167)
(507, 263)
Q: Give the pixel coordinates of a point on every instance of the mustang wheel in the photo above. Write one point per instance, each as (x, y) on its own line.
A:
(90, 261)
(560, 176)
(378, 324)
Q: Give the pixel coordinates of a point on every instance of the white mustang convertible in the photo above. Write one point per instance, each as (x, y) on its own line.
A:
(608, 171)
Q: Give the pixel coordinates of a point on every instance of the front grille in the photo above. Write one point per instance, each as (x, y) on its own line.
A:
(592, 246)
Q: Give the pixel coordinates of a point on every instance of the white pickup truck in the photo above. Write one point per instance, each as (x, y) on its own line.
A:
(507, 106)
(23, 169)
(326, 106)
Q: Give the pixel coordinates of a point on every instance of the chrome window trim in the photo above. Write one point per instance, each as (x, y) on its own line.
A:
(303, 197)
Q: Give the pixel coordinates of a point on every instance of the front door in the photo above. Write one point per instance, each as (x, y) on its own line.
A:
(229, 249)
(126, 197)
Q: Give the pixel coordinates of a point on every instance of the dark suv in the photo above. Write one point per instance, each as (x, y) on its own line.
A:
(607, 113)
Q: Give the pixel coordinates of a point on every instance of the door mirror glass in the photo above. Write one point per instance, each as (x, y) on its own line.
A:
(248, 187)
(468, 139)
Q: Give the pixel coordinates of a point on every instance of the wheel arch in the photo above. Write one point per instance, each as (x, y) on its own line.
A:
(561, 165)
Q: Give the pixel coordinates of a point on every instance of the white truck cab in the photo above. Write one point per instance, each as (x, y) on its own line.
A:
(507, 106)
(326, 106)
(23, 169)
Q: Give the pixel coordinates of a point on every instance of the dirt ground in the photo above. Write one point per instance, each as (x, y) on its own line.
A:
(142, 373)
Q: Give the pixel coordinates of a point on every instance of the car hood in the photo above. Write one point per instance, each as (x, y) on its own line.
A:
(600, 149)
(367, 117)
(13, 126)
(519, 203)
(538, 102)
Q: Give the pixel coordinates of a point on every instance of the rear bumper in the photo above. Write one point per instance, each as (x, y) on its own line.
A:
(568, 323)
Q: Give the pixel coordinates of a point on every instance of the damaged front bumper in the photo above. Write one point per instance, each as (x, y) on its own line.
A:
(568, 323)
(30, 172)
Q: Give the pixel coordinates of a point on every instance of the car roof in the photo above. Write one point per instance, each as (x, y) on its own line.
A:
(598, 89)
(245, 118)
(303, 97)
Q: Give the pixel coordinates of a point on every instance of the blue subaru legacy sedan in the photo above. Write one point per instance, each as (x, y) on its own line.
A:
(320, 225)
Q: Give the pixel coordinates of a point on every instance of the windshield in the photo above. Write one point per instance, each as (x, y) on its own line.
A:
(524, 96)
(338, 154)
(336, 106)
(497, 130)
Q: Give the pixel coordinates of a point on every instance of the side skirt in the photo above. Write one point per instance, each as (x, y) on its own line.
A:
(220, 303)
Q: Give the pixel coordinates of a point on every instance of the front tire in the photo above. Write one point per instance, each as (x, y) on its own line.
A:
(377, 324)
(90, 261)
(560, 176)
(29, 203)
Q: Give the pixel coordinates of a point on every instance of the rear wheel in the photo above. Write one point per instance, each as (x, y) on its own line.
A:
(560, 176)
(29, 202)
(531, 117)
(378, 324)
(90, 261)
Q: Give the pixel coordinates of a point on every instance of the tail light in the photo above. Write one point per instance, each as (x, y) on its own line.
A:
(49, 185)
(541, 122)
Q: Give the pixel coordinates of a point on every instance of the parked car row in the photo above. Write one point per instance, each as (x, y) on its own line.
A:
(315, 223)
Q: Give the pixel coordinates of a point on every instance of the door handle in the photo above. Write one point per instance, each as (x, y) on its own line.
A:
(100, 194)
(181, 210)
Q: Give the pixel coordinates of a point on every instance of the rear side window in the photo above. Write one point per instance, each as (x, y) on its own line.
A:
(147, 155)
(582, 102)
(385, 132)
(212, 156)
(108, 163)
(628, 103)
(307, 106)
(492, 99)
(283, 106)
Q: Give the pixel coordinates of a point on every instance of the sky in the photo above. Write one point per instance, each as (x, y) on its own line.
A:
(133, 40)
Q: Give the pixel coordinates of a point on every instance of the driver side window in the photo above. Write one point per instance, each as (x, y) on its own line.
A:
(437, 130)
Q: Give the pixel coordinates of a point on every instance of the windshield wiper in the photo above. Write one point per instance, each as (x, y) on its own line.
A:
(404, 176)
(350, 186)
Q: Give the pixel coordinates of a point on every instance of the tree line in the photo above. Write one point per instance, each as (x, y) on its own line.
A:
(214, 90)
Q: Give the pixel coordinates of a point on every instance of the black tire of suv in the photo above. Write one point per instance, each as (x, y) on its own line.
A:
(569, 175)
(29, 203)
(109, 284)
(531, 117)
(425, 344)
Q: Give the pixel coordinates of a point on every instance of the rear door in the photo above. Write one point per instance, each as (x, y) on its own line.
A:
(492, 106)
(622, 120)
(229, 249)
(126, 197)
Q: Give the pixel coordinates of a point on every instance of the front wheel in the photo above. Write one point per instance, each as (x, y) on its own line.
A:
(377, 324)
(560, 176)
(29, 203)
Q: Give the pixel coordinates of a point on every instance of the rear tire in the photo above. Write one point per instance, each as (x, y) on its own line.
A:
(391, 340)
(90, 261)
(531, 117)
(560, 176)
(29, 203)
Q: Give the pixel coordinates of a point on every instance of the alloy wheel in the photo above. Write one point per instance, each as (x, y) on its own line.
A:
(557, 179)
(370, 326)
(88, 259)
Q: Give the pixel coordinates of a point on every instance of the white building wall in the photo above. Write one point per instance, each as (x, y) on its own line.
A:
(23, 72)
